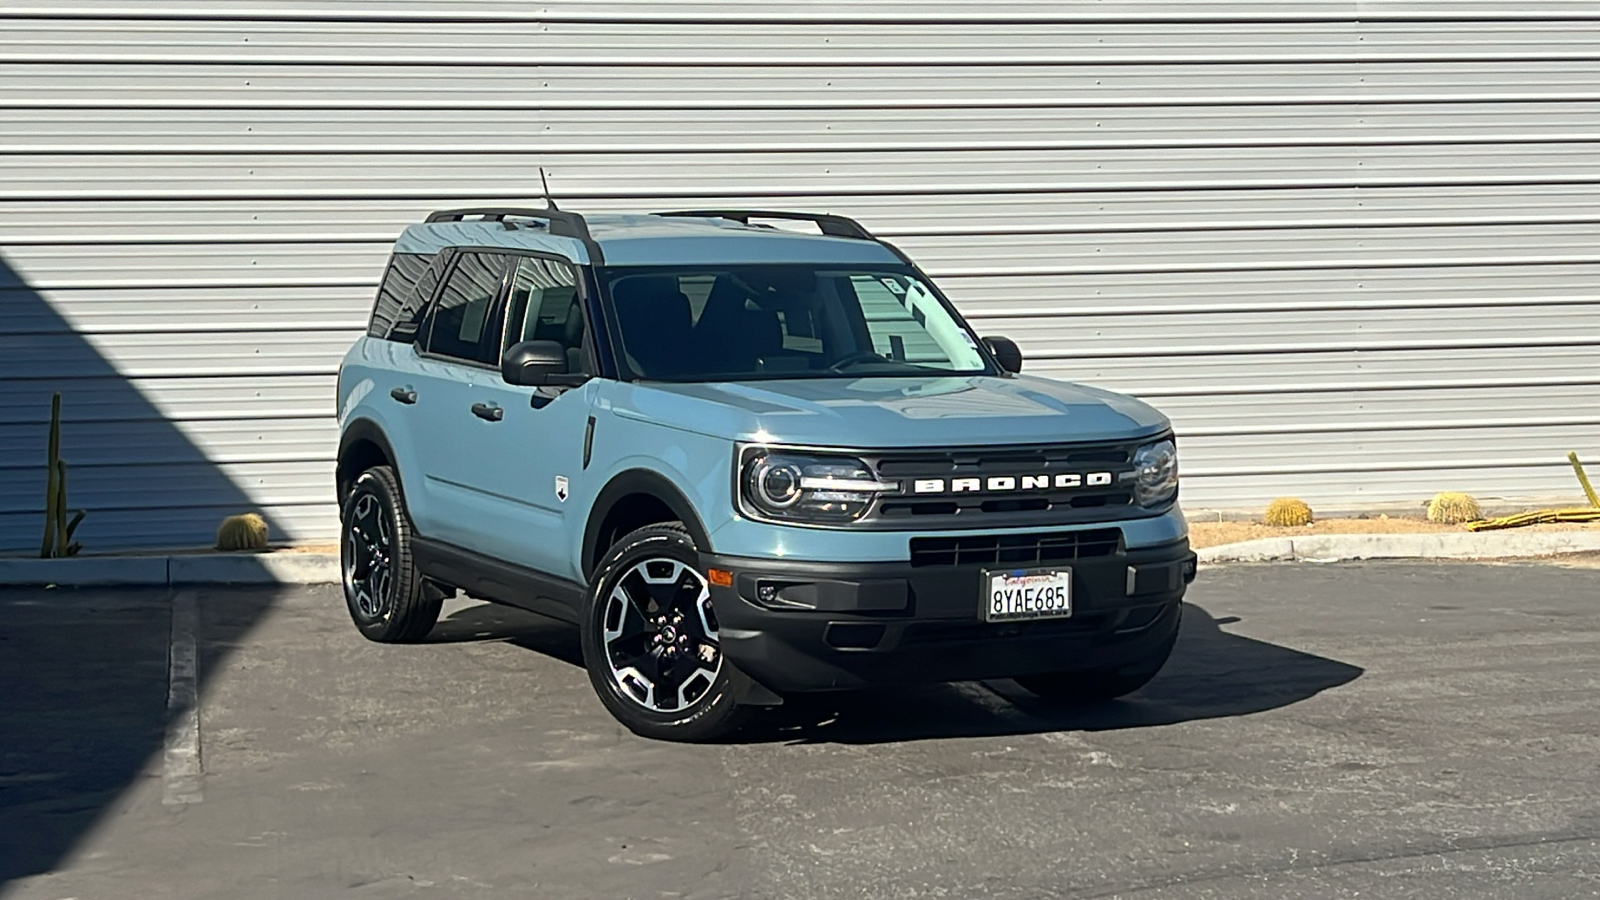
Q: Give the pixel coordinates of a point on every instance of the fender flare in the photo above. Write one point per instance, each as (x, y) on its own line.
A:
(363, 429)
(640, 481)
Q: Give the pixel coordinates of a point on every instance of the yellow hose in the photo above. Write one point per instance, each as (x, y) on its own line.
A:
(1581, 514)
(1583, 479)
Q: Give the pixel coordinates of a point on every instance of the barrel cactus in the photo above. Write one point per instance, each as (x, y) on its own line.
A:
(1288, 511)
(1452, 508)
(243, 532)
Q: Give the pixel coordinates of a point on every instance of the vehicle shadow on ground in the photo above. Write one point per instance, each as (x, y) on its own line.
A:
(1212, 674)
(493, 622)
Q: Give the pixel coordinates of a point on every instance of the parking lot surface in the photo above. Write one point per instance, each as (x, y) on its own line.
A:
(1372, 730)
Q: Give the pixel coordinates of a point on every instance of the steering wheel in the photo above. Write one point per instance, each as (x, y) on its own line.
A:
(858, 356)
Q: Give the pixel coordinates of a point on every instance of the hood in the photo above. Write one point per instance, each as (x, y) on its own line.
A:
(872, 413)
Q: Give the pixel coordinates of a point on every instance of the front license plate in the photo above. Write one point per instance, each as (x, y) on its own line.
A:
(1027, 594)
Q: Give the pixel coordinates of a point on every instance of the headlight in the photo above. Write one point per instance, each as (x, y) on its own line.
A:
(1156, 469)
(806, 487)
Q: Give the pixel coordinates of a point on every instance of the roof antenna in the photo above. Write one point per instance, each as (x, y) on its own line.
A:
(548, 200)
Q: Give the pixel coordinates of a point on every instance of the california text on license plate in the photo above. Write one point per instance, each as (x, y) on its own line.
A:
(1027, 594)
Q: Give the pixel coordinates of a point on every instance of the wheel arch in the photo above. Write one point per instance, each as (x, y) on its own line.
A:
(633, 499)
(362, 445)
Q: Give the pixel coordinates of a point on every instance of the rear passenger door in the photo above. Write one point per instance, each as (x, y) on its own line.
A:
(458, 352)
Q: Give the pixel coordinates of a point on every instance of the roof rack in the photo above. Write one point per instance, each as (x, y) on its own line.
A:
(833, 226)
(563, 224)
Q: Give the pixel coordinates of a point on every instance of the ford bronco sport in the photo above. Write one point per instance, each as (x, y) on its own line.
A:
(745, 461)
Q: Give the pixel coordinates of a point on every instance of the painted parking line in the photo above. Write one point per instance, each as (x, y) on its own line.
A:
(181, 769)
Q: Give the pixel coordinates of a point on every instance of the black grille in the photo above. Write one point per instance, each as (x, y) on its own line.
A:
(1015, 549)
(1019, 505)
(982, 461)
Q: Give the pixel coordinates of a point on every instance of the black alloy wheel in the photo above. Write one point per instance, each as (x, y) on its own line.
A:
(388, 598)
(651, 642)
(368, 558)
(660, 635)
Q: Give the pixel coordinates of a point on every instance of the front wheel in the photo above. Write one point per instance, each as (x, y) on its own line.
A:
(651, 641)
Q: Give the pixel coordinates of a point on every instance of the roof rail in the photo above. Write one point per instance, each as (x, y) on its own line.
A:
(833, 226)
(563, 224)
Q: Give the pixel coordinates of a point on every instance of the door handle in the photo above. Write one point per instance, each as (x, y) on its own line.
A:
(489, 411)
(404, 395)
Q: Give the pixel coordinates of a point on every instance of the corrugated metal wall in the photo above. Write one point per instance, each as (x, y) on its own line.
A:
(1351, 247)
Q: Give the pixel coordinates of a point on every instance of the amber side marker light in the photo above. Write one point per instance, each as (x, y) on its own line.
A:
(720, 577)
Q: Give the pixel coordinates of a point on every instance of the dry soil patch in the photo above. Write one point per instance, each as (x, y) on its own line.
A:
(1212, 534)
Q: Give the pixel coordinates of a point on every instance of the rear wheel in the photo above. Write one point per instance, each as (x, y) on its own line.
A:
(1091, 686)
(388, 598)
(651, 641)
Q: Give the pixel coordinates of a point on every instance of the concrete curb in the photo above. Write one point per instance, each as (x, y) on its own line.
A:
(1446, 545)
(266, 568)
(183, 568)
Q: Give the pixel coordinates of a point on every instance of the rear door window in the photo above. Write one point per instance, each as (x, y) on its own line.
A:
(459, 323)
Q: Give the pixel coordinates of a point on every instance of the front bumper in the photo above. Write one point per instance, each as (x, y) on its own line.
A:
(807, 626)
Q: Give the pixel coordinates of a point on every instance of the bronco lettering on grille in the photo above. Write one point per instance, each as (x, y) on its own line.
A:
(999, 483)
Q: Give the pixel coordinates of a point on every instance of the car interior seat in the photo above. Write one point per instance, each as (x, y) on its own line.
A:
(572, 335)
(655, 321)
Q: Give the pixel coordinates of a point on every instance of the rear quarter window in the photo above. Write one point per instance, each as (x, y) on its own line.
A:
(407, 283)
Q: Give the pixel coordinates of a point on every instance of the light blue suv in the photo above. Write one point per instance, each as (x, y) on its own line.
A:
(746, 461)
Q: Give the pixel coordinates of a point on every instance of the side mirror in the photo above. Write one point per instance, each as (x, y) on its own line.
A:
(1005, 353)
(538, 364)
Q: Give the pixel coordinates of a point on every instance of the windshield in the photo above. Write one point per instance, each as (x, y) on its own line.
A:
(736, 323)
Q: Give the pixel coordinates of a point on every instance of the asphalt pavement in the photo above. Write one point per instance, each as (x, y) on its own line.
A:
(1349, 730)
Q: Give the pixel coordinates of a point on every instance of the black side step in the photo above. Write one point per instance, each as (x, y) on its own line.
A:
(501, 582)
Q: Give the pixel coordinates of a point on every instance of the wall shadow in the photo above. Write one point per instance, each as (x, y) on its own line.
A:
(84, 677)
(142, 480)
(83, 674)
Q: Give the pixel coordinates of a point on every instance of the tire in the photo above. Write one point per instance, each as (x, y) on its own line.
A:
(389, 600)
(651, 643)
(1087, 687)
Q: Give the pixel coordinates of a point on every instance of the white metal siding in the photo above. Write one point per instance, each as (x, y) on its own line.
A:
(1351, 247)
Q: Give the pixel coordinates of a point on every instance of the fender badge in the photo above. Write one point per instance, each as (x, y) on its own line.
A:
(561, 488)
